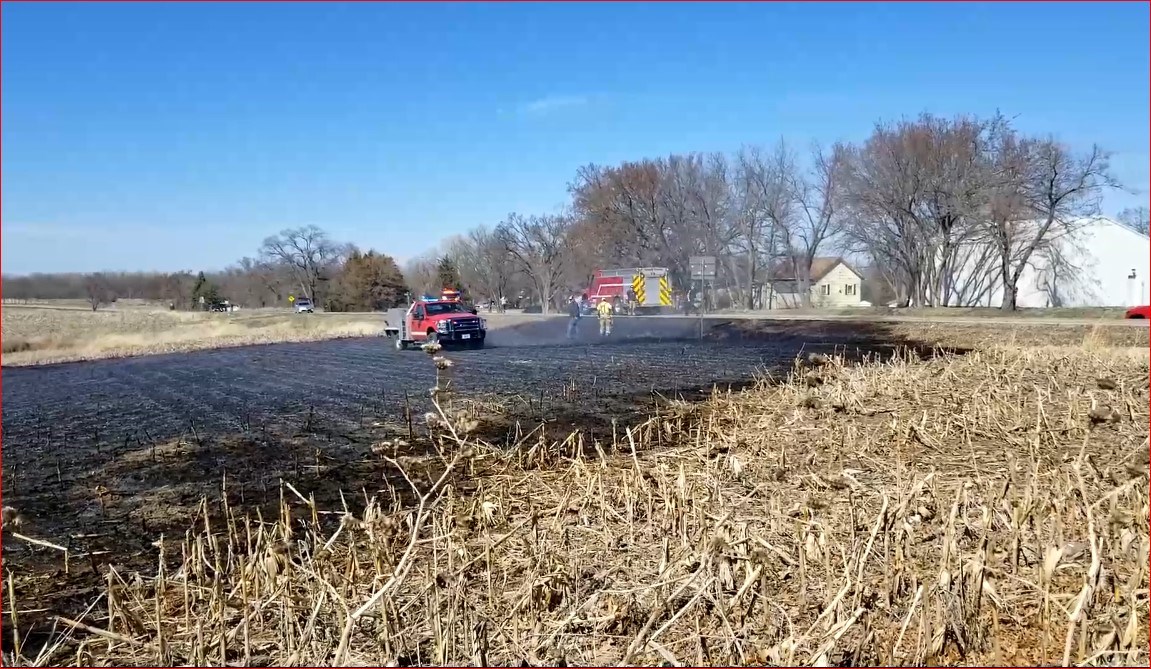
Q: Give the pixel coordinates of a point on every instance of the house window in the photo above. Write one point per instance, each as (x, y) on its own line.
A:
(825, 289)
(849, 289)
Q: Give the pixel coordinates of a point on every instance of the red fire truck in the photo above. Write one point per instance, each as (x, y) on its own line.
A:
(650, 286)
(445, 319)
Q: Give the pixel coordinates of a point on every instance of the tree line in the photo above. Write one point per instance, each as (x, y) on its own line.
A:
(301, 262)
(941, 211)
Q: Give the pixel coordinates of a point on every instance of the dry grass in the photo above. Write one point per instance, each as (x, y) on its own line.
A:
(1103, 314)
(36, 335)
(984, 509)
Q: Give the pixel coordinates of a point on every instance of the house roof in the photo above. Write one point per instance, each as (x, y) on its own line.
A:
(1119, 224)
(820, 267)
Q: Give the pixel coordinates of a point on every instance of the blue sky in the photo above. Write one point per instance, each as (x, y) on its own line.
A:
(169, 136)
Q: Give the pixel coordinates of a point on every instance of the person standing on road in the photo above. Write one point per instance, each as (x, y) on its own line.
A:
(605, 311)
(574, 314)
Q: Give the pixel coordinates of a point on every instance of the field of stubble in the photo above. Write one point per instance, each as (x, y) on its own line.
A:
(985, 506)
(43, 334)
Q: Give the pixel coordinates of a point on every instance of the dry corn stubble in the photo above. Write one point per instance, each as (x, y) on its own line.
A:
(966, 510)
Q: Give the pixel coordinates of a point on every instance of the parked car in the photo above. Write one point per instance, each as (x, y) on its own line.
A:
(1143, 312)
(304, 306)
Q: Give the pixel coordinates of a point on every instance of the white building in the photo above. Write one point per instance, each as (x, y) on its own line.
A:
(1104, 264)
(833, 284)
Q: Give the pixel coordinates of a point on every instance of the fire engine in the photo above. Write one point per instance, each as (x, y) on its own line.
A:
(651, 286)
(444, 319)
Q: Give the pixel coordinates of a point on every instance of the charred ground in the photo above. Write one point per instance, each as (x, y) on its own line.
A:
(104, 457)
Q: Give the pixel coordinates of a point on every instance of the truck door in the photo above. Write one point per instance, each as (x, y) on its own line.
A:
(416, 328)
(652, 289)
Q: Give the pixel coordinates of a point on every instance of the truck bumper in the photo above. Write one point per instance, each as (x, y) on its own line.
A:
(462, 337)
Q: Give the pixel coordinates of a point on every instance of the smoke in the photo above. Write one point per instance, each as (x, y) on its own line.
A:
(553, 331)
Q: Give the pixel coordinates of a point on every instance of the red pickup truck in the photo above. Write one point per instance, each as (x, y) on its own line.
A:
(444, 321)
(1143, 312)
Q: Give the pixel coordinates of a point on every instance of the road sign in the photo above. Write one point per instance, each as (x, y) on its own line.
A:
(291, 298)
(702, 267)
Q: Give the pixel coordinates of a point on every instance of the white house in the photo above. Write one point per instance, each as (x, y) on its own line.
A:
(834, 283)
(1103, 264)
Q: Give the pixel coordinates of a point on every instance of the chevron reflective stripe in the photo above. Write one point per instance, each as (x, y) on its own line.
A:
(664, 292)
(638, 285)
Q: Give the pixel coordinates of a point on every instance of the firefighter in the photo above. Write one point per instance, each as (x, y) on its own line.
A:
(605, 312)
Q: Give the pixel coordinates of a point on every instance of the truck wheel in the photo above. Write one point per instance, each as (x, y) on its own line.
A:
(433, 337)
(401, 345)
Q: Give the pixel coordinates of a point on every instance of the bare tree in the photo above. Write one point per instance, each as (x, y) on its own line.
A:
(883, 188)
(421, 272)
(762, 211)
(817, 219)
(307, 252)
(916, 192)
(539, 245)
(1045, 194)
(483, 261)
(654, 213)
(1136, 218)
(98, 290)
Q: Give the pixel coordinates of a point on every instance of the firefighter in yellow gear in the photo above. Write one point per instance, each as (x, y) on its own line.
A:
(605, 312)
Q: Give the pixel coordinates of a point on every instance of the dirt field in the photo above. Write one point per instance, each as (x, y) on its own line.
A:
(858, 511)
(37, 335)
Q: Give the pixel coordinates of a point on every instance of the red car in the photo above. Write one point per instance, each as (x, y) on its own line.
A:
(1143, 312)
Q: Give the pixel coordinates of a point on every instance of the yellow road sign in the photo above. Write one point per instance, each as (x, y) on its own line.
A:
(291, 298)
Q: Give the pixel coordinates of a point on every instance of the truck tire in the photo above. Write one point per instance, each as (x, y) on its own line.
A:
(401, 345)
(433, 337)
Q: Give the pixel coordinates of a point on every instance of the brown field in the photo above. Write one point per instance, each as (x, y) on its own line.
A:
(38, 334)
(1076, 313)
(986, 508)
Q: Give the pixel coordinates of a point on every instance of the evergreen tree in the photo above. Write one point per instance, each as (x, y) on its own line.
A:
(367, 282)
(448, 274)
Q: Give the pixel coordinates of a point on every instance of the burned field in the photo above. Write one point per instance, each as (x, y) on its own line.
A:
(105, 458)
(106, 454)
(132, 402)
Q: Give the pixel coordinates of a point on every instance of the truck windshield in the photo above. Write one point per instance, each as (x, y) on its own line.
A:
(437, 308)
